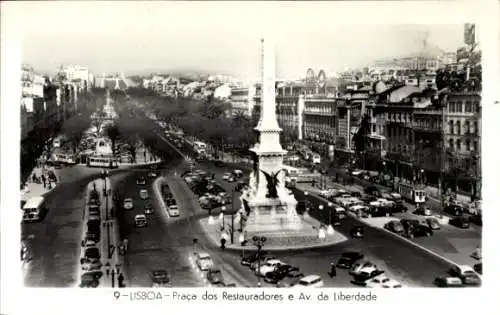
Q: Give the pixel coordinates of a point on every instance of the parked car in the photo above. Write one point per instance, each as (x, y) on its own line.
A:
(455, 210)
(89, 280)
(358, 231)
(262, 260)
(378, 281)
(91, 254)
(462, 271)
(478, 268)
(477, 219)
(226, 176)
(433, 223)
(347, 260)
(409, 224)
(448, 282)
(311, 281)
(223, 198)
(471, 280)
(214, 276)
(460, 222)
(420, 230)
(423, 211)
(91, 265)
(394, 226)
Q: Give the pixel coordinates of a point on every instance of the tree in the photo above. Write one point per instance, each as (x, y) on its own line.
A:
(74, 127)
(113, 133)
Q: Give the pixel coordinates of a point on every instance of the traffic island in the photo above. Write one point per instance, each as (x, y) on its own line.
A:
(311, 235)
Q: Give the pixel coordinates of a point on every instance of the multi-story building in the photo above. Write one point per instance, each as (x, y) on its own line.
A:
(289, 109)
(80, 75)
(462, 138)
(245, 99)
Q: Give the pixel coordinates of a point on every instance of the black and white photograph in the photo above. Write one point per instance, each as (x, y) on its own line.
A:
(159, 152)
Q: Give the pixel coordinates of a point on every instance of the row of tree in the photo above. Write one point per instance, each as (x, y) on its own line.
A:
(210, 120)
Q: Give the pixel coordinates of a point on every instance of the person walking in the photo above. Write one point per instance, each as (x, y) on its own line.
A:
(120, 281)
(333, 270)
(34, 177)
(44, 181)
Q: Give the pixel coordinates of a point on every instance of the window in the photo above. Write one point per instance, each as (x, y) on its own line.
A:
(467, 145)
(467, 126)
(459, 132)
(468, 107)
(476, 128)
(450, 143)
(475, 146)
(451, 125)
(459, 144)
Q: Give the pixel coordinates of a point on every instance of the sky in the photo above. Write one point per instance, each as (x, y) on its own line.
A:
(221, 38)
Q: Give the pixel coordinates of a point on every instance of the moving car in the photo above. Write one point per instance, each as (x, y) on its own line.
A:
(311, 281)
(347, 260)
(140, 220)
(128, 204)
(377, 281)
(262, 261)
(462, 271)
(94, 210)
(214, 276)
(358, 231)
(360, 265)
(148, 208)
(394, 226)
(460, 222)
(366, 274)
(204, 261)
(249, 259)
(160, 278)
(433, 223)
(141, 180)
(143, 193)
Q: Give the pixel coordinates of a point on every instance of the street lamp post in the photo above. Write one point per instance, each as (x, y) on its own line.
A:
(329, 229)
(221, 217)
(232, 216)
(258, 241)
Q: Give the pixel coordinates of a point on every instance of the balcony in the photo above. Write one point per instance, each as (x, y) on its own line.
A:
(316, 112)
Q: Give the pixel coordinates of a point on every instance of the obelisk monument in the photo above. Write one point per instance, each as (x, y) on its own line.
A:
(270, 207)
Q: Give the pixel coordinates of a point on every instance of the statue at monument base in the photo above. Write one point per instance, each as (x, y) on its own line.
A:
(271, 216)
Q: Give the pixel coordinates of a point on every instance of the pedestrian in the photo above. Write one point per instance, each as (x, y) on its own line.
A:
(44, 181)
(120, 281)
(333, 270)
(49, 185)
(34, 177)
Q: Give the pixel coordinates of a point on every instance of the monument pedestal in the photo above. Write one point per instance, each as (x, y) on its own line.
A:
(272, 216)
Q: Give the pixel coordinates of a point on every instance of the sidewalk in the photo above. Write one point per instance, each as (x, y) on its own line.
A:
(34, 189)
(110, 256)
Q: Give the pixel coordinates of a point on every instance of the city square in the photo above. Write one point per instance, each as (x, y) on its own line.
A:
(368, 176)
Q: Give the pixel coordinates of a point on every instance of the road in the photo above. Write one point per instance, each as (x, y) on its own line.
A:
(55, 241)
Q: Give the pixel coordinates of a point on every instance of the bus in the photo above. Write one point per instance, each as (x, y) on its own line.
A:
(34, 209)
(59, 156)
(103, 161)
(413, 193)
(299, 175)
